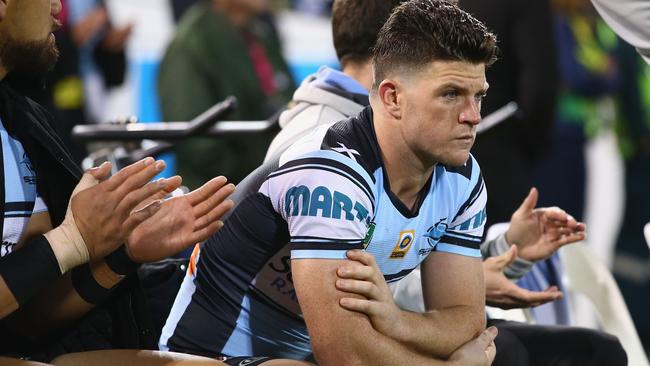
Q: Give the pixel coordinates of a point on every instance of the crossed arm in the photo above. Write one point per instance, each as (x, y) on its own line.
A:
(343, 337)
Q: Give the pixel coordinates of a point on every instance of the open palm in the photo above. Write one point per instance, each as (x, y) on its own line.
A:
(539, 232)
(181, 221)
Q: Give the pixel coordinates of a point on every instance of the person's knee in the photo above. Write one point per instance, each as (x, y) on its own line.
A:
(510, 350)
(607, 349)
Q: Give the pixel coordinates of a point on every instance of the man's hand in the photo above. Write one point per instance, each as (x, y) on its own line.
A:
(363, 277)
(540, 232)
(89, 26)
(477, 352)
(502, 293)
(181, 221)
(103, 213)
(116, 38)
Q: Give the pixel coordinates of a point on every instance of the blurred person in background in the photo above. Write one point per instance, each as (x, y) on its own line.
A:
(179, 7)
(629, 19)
(590, 81)
(91, 61)
(315, 7)
(221, 48)
(632, 257)
(526, 74)
(585, 55)
(102, 57)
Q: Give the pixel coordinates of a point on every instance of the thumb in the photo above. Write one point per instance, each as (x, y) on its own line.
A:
(487, 337)
(101, 172)
(140, 215)
(508, 257)
(92, 177)
(530, 201)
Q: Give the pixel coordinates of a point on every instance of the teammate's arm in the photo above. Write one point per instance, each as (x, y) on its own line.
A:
(340, 337)
(179, 222)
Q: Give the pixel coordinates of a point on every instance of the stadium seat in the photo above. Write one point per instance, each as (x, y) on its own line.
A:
(587, 275)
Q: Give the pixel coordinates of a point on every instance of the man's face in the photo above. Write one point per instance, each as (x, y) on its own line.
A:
(442, 106)
(27, 44)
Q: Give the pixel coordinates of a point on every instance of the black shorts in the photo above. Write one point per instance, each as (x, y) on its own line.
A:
(247, 361)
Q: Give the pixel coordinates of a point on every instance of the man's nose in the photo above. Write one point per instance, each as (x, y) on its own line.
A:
(471, 113)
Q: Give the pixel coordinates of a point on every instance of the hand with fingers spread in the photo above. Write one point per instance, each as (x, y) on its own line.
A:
(503, 293)
(105, 212)
(477, 352)
(540, 232)
(361, 276)
(100, 217)
(181, 221)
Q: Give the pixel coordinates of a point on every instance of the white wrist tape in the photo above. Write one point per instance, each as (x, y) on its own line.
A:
(67, 242)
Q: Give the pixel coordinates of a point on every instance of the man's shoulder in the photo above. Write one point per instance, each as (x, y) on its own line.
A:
(351, 138)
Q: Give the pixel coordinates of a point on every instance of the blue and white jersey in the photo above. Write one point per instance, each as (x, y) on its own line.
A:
(21, 199)
(327, 194)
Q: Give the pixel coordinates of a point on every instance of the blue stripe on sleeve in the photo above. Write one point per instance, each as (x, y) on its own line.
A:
(455, 249)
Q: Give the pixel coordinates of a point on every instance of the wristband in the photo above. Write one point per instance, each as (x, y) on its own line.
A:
(30, 268)
(87, 287)
(67, 242)
(120, 263)
(515, 270)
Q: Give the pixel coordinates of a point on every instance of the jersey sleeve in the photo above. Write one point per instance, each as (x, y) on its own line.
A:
(465, 231)
(327, 201)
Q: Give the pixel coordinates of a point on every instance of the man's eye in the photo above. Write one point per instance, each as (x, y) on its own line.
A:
(480, 96)
(451, 95)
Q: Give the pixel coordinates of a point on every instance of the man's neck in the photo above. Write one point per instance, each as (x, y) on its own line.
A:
(406, 171)
(359, 71)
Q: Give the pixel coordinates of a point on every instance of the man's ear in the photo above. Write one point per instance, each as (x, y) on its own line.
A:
(388, 92)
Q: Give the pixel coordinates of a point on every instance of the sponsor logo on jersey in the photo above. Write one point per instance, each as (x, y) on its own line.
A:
(403, 245)
(301, 201)
(369, 234)
(29, 174)
(436, 232)
(345, 150)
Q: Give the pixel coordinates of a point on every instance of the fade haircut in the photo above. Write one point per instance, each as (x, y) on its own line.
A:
(355, 25)
(422, 31)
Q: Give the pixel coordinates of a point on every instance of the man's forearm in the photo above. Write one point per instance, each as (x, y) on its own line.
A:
(62, 303)
(373, 348)
(25, 273)
(439, 333)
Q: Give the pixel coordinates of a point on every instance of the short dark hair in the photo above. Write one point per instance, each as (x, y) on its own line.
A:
(355, 25)
(422, 31)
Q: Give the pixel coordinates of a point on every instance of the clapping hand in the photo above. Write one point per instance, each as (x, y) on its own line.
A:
(540, 232)
(502, 293)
